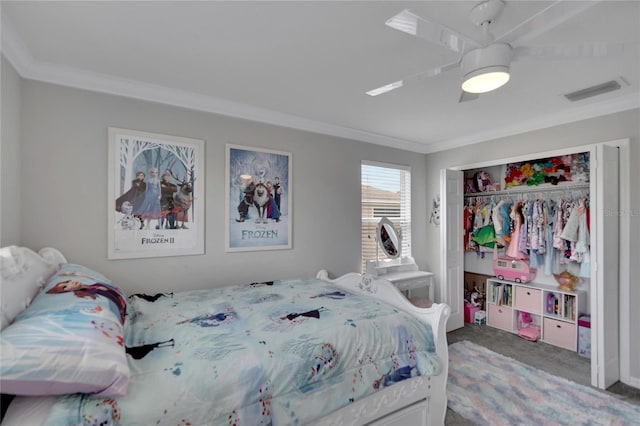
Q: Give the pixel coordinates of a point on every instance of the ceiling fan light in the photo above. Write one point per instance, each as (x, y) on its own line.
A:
(486, 79)
(487, 68)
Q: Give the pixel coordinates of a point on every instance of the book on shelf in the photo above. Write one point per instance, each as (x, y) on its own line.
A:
(568, 307)
(504, 295)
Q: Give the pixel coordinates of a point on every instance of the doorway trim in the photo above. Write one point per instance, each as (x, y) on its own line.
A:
(624, 265)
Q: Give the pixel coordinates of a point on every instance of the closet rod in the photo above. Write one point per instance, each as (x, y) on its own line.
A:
(529, 189)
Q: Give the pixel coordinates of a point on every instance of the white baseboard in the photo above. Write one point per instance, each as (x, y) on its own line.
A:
(631, 381)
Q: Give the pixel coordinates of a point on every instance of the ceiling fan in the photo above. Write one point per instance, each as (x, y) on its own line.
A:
(485, 63)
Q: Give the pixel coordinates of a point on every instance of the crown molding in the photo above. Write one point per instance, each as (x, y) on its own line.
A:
(30, 68)
(611, 106)
(103, 83)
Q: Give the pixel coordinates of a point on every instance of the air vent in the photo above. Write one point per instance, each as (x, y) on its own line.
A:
(598, 89)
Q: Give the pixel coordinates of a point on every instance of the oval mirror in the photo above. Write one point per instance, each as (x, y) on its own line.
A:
(388, 239)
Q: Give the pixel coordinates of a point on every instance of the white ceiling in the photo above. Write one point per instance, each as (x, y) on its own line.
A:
(307, 65)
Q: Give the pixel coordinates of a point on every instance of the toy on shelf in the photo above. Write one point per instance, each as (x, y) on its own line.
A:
(508, 268)
(480, 182)
(476, 295)
(553, 304)
(566, 281)
(527, 329)
(567, 168)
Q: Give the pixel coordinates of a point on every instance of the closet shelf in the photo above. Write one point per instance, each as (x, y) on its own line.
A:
(530, 189)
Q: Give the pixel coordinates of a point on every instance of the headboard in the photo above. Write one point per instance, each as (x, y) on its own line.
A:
(24, 273)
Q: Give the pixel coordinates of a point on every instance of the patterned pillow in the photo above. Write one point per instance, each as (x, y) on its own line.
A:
(24, 273)
(69, 340)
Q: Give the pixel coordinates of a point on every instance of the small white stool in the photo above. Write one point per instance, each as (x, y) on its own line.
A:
(480, 317)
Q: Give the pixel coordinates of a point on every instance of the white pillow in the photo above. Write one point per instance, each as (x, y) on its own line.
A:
(24, 273)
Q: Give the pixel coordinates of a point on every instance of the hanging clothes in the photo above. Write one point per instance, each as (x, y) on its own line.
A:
(559, 221)
(570, 230)
(518, 221)
(523, 236)
(551, 262)
(551, 234)
(537, 233)
(497, 219)
(581, 252)
(505, 211)
(467, 225)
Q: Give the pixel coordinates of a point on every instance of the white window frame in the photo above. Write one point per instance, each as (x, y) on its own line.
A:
(369, 218)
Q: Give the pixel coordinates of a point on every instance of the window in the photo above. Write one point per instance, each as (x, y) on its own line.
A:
(386, 192)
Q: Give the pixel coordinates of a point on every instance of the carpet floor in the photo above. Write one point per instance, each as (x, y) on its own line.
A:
(487, 388)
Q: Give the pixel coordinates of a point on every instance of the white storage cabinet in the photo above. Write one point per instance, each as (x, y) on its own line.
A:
(555, 311)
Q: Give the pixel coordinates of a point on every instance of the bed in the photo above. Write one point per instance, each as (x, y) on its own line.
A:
(314, 350)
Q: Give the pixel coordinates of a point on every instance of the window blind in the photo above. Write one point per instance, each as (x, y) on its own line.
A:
(386, 192)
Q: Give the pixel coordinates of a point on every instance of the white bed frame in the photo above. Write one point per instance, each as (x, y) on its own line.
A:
(418, 401)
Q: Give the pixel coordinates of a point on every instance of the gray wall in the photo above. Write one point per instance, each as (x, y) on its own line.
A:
(64, 182)
(10, 164)
(611, 127)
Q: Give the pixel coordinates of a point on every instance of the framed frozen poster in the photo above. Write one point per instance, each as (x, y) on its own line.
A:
(155, 195)
(258, 199)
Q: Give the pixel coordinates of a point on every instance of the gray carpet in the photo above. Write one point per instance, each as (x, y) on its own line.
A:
(551, 359)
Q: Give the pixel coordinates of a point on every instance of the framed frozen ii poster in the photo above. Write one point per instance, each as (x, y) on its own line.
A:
(155, 195)
(258, 199)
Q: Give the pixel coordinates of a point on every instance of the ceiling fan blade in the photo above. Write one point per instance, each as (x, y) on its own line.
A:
(466, 96)
(439, 70)
(386, 88)
(423, 74)
(548, 18)
(410, 23)
(574, 50)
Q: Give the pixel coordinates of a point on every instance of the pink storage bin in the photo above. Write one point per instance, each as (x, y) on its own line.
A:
(470, 312)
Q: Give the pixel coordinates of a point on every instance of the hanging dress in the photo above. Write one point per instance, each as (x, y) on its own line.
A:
(496, 217)
(518, 220)
(582, 245)
(551, 262)
(467, 227)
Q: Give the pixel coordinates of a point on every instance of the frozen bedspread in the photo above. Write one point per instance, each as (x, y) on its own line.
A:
(286, 352)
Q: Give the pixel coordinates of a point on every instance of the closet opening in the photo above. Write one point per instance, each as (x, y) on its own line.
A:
(566, 283)
(527, 249)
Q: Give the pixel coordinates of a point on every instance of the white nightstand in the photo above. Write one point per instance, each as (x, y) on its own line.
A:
(403, 273)
(411, 280)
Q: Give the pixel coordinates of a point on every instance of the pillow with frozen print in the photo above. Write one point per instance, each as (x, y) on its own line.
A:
(69, 340)
(24, 273)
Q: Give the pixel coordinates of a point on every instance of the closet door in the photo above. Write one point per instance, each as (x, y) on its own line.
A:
(452, 284)
(605, 331)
